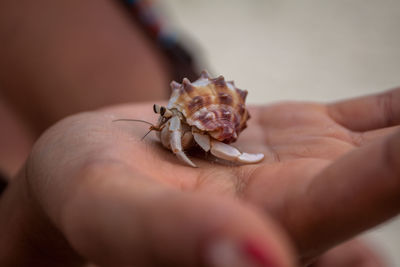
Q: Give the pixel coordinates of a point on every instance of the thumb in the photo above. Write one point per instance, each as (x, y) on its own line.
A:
(191, 229)
(155, 226)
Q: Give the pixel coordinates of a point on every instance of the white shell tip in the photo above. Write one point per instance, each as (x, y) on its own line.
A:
(175, 85)
(185, 81)
(204, 74)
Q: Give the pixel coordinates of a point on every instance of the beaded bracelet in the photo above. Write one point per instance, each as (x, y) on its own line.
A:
(146, 14)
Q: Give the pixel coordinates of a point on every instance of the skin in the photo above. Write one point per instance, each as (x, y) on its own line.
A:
(327, 176)
(54, 64)
(352, 253)
(81, 56)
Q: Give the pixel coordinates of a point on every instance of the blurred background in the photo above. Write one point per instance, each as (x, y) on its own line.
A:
(299, 50)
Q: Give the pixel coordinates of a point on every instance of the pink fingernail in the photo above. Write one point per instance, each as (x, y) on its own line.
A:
(227, 253)
(256, 253)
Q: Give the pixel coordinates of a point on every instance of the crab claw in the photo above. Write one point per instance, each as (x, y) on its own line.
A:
(228, 152)
(175, 140)
(225, 151)
(250, 158)
(182, 156)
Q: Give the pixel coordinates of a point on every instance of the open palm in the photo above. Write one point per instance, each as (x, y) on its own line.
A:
(330, 172)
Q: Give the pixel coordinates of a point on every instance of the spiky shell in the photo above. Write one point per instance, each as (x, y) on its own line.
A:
(212, 105)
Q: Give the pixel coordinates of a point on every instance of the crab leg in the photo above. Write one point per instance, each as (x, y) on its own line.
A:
(224, 151)
(202, 140)
(228, 152)
(175, 129)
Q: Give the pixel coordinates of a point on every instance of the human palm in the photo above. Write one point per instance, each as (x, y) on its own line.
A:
(325, 178)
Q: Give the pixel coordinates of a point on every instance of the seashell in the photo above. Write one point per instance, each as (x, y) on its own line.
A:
(213, 105)
(209, 113)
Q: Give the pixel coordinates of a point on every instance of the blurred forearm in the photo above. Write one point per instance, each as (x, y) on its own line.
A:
(15, 141)
(62, 57)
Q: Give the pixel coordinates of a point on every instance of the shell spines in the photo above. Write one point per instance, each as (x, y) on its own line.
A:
(213, 105)
(220, 81)
(204, 74)
(175, 85)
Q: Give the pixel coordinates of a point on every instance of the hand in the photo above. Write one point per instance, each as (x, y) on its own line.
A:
(354, 253)
(330, 172)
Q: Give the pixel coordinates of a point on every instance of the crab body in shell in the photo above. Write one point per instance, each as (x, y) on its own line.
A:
(208, 112)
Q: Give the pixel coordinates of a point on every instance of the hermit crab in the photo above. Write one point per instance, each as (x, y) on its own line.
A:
(209, 112)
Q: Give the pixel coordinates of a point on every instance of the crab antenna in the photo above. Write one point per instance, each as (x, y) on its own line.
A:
(141, 139)
(135, 120)
(152, 128)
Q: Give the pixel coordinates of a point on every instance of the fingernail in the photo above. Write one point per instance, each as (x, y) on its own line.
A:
(246, 254)
(257, 254)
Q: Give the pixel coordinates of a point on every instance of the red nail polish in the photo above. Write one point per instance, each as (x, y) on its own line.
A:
(257, 254)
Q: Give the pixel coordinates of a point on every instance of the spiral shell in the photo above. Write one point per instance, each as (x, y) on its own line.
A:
(213, 105)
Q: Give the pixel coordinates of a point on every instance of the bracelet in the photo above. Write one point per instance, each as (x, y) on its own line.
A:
(148, 16)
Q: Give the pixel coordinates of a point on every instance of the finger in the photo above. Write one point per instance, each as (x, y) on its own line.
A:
(137, 223)
(359, 191)
(353, 253)
(363, 138)
(368, 112)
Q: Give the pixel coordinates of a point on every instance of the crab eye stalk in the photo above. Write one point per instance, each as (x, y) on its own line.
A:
(159, 109)
(156, 108)
(163, 111)
(168, 113)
